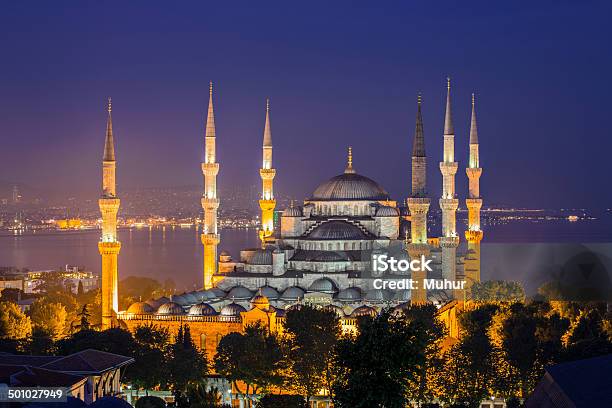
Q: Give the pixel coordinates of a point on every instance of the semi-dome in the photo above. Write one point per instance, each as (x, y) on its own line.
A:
(364, 311)
(349, 295)
(324, 285)
(239, 292)
(233, 309)
(293, 293)
(292, 212)
(349, 186)
(170, 308)
(140, 308)
(338, 230)
(262, 257)
(387, 211)
(202, 309)
(269, 292)
(331, 256)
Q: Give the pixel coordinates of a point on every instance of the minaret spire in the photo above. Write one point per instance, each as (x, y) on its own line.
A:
(418, 204)
(448, 203)
(210, 202)
(449, 129)
(109, 246)
(109, 143)
(474, 234)
(267, 173)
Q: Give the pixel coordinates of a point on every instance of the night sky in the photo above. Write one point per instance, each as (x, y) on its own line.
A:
(338, 74)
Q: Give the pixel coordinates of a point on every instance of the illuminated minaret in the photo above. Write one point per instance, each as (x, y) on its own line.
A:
(210, 202)
(474, 234)
(418, 204)
(267, 203)
(449, 241)
(109, 246)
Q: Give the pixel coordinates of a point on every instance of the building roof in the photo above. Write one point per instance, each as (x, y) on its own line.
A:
(41, 377)
(349, 186)
(583, 383)
(338, 230)
(22, 360)
(110, 402)
(89, 361)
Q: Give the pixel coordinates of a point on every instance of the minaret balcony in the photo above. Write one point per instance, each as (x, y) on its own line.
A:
(449, 242)
(210, 169)
(267, 174)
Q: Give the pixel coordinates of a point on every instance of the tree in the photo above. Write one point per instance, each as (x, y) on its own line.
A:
(80, 290)
(185, 364)
(200, 396)
(113, 340)
(497, 291)
(430, 333)
(467, 373)
(14, 324)
(373, 368)
(150, 402)
(587, 337)
(149, 370)
(312, 335)
(49, 318)
(84, 316)
(254, 357)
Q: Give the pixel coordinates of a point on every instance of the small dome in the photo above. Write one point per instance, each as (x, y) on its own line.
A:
(180, 299)
(387, 211)
(377, 296)
(170, 308)
(231, 310)
(364, 311)
(293, 293)
(292, 212)
(140, 308)
(260, 302)
(191, 297)
(156, 303)
(239, 292)
(338, 230)
(269, 292)
(402, 295)
(262, 257)
(202, 309)
(349, 186)
(349, 295)
(324, 285)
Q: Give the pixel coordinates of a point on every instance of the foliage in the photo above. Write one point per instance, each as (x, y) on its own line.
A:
(374, 368)
(134, 288)
(497, 291)
(84, 316)
(14, 324)
(185, 364)
(113, 340)
(312, 335)
(49, 318)
(150, 402)
(200, 396)
(281, 401)
(587, 336)
(151, 355)
(254, 357)
(468, 369)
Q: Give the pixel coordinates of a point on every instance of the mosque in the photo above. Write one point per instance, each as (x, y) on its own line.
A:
(322, 252)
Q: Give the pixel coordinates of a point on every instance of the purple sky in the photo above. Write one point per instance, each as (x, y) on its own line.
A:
(338, 74)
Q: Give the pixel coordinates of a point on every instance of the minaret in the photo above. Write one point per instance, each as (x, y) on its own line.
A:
(448, 203)
(418, 204)
(210, 202)
(109, 246)
(474, 234)
(267, 203)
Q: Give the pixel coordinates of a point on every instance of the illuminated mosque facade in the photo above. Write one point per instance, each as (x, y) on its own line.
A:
(322, 252)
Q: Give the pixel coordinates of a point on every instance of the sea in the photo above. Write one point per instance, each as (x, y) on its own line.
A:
(527, 251)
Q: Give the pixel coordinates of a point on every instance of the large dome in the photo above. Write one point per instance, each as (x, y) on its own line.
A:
(338, 230)
(349, 186)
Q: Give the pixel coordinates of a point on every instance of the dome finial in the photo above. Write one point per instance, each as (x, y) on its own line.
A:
(210, 88)
(110, 105)
(472, 98)
(267, 104)
(349, 166)
(419, 98)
